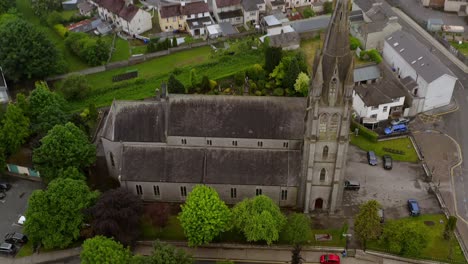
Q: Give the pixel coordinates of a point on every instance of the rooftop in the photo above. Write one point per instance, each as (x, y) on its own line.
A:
(200, 22)
(190, 8)
(226, 3)
(231, 14)
(366, 73)
(251, 5)
(119, 8)
(312, 24)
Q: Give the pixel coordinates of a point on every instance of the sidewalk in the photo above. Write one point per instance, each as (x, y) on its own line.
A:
(48, 257)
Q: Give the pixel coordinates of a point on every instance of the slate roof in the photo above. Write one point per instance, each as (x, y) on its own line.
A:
(210, 166)
(226, 3)
(231, 14)
(236, 116)
(190, 8)
(227, 28)
(309, 25)
(119, 8)
(285, 39)
(200, 22)
(366, 73)
(417, 56)
(251, 5)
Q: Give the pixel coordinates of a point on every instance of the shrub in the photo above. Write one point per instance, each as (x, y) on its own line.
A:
(239, 78)
(308, 12)
(54, 18)
(278, 92)
(61, 30)
(354, 43)
(363, 131)
(93, 51)
(374, 55)
(74, 87)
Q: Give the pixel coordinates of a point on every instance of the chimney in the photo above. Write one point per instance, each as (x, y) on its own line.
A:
(128, 2)
(157, 95)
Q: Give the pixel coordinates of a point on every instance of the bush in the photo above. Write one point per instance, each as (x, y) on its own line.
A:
(54, 18)
(93, 51)
(278, 92)
(74, 87)
(363, 131)
(374, 55)
(239, 78)
(354, 43)
(308, 12)
(61, 30)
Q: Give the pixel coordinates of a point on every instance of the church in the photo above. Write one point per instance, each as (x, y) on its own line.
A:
(290, 149)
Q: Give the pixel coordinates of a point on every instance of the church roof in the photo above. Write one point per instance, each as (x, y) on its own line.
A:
(210, 166)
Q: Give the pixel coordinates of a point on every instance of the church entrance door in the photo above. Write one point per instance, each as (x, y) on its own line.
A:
(318, 203)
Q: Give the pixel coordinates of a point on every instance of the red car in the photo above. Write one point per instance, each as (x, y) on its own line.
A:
(330, 259)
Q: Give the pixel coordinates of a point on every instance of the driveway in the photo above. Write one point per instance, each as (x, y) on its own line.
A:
(391, 188)
(15, 203)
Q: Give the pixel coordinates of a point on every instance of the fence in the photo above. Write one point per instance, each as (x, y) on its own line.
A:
(451, 48)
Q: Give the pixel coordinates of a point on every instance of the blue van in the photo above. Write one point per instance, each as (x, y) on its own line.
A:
(395, 129)
(413, 207)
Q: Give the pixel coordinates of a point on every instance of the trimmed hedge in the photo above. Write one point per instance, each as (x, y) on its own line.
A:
(364, 131)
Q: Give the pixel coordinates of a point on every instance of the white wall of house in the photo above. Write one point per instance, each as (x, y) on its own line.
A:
(140, 23)
(439, 92)
(453, 6)
(380, 112)
(251, 16)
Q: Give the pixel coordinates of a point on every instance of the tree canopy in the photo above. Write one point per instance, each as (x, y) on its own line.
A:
(64, 146)
(405, 238)
(116, 214)
(297, 230)
(204, 215)
(15, 129)
(54, 216)
(273, 57)
(163, 254)
(6, 5)
(259, 218)
(100, 249)
(302, 84)
(43, 7)
(26, 52)
(75, 86)
(174, 85)
(367, 223)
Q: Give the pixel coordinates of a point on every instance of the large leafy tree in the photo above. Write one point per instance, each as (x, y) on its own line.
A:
(204, 215)
(163, 254)
(55, 215)
(26, 52)
(15, 129)
(292, 72)
(272, 58)
(64, 146)
(296, 232)
(405, 238)
(100, 249)
(116, 214)
(302, 84)
(75, 87)
(46, 109)
(367, 223)
(259, 219)
(6, 5)
(43, 7)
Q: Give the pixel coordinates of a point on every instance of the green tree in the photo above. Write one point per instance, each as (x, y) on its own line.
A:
(15, 129)
(273, 57)
(43, 7)
(75, 87)
(101, 249)
(22, 102)
(64, 146)
(46, 109)
(2, 159)
(55, 215)
(193, 79)
(354, 43)
(292, 72)
(163, 254)
(367, 223)
(302, 84)
(71, 173)
(174, 85)
(405, 238)
(308, 12)
(259, 218)
(278, 74)
(328, 7)
(6, 5)
(204, 216)
(174, 42)
(450, 226)
(297, 230)
(22, 60)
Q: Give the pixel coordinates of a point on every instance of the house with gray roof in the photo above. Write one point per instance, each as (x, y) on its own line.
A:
(124, 15)
(252, 10)
(4, 99)
(377, 24)
(410, 58)
(228, 11)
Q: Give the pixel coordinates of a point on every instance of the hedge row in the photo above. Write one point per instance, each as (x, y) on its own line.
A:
(363, 131)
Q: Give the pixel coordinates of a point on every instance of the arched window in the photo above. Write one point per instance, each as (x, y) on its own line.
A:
(325, 153)
(323, 126)
(333, 127)
(323, 173)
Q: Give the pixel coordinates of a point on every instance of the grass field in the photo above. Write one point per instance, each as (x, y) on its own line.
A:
(73, 62)
(309, 47)
(122, 50)
(25, 250)
(438, 248)
(403, 144)
(152, 73)
(463, 48)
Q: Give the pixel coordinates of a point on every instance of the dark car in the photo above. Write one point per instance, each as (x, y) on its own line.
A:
(352, 185)
(413, 207)
(16, 238)
(5, 186)
(371, 158)
(7, 249)
(387, 162)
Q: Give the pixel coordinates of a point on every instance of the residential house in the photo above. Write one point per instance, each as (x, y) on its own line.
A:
(252, 10)
(290, 149)
(286, 40)
(457, 6)
(191, 16)
(4, 99)
(85, 8)
(378, 94)
(228, 11)
(378, 24)
(276, 5)
(432, 83)
(69, 5)
(124, 15)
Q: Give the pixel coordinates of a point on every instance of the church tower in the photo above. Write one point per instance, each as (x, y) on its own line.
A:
(328, 117)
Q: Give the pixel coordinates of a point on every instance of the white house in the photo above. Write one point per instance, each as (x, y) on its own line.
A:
(252, 10)
(123, 14)
(228, 11)
(378, 94)
(191, 16)
(408, 57)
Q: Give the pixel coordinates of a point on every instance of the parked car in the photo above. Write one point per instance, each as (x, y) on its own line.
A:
(16, 238)
(413, 207)
(387, 162)
(371, 158)
(5, 186)
(381, 214)
(7, 249)
(400, 120)
(396, 129)
(352, 185)
(330, 259)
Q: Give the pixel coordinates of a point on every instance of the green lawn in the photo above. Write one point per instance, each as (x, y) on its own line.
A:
(73, 62)
(153, 72)
(438, 248)
(121, 51)
(26, 250)
(67, 14)
(463, 48)
(403, 144)
(309, 47)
